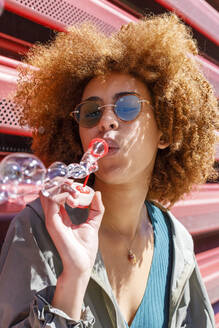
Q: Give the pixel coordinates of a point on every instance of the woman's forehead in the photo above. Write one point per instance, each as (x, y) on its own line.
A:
(115, 82)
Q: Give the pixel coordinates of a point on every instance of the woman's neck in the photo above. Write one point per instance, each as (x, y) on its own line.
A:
(124, 206)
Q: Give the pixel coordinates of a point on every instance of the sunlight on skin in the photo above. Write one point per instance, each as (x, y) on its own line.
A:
(138, 140)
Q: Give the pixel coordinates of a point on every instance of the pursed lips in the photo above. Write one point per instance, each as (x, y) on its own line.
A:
(113, 145)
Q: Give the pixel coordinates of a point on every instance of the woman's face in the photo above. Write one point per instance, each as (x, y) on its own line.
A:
(132, 145)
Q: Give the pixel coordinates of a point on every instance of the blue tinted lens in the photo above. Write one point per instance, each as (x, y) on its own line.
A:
(128, 107)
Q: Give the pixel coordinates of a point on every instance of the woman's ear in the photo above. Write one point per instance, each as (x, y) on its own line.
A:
(162, 143)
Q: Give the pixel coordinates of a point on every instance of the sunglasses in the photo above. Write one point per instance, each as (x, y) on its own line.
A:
(126, 107)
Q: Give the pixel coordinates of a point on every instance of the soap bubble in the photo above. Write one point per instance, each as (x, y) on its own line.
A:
(32, 171)
(3, 196)
(3, 193)
(77, 171)
(56, 169)
(10, 171)
(21, 174)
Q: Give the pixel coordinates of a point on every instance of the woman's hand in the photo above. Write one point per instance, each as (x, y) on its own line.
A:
(77, 244)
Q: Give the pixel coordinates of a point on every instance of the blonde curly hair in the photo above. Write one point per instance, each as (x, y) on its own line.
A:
(157, 49)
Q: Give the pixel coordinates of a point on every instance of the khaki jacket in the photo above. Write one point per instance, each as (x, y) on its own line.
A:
(30, 265)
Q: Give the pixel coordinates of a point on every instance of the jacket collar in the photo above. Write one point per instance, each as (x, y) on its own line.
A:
(99, 275)
(183, 259)
(183, 256)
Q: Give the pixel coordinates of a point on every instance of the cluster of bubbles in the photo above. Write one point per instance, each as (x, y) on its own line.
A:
(23, 174)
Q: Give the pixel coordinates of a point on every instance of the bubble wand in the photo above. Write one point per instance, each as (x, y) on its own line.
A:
(19, 171)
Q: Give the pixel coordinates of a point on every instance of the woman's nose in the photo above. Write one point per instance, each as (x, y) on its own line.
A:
(109, 120)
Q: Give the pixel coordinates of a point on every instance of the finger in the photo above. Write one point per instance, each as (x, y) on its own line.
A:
(65, 197)
(58, 195)
(65, 217)
(56, 187)
(50, 189)
(96, 210)
(54, 210)
(51, 205)
(50, 208)
(67, 188)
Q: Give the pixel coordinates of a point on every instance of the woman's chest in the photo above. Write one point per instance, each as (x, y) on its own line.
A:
(129, 281)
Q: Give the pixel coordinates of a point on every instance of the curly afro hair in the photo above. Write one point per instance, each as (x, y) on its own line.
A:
(157, 49)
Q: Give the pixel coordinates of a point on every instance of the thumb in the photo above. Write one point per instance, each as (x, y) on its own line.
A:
(96, 210)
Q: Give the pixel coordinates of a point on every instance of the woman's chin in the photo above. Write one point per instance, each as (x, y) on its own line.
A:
(112, 175)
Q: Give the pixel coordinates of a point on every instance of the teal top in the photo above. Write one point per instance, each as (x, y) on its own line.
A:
(153, 311)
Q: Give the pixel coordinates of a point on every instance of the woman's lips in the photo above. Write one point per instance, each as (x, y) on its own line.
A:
(112, 151)
(113, 146)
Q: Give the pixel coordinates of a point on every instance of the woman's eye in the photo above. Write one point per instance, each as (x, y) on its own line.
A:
(92, 114)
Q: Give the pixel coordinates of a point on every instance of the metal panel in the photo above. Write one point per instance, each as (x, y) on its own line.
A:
(9, 114)
(60, 14)
(198, 13)
(13, 44)
(8, 80)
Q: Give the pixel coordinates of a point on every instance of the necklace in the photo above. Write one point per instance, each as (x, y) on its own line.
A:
(131, 255)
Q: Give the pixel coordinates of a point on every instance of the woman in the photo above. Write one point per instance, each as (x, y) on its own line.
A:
(132, 264)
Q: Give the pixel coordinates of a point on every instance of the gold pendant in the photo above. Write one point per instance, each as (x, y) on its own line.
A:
(132, 257)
